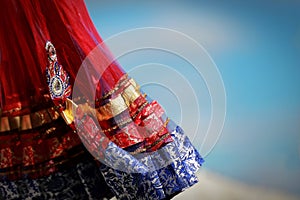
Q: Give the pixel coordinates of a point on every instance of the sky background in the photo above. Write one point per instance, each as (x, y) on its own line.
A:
(256, 48)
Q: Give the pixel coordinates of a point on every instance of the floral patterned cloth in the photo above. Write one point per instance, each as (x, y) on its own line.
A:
(81, 181)
(173, 170)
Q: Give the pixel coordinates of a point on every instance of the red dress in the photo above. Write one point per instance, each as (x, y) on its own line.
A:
(25, 102)
(39, 151)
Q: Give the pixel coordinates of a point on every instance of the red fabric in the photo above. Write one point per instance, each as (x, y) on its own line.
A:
(25, 27)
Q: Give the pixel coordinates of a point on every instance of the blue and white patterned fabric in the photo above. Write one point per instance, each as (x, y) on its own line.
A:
(82, 181)
(156, 175)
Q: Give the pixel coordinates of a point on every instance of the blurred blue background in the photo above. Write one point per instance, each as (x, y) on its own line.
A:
(256, 46)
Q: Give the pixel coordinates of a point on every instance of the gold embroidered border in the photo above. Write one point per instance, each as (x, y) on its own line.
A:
(120, 103)
(29, 121)
(111, 109)
(121, 123)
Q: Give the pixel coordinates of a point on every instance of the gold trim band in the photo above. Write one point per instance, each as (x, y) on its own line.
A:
(120, 103)
(29, 121)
